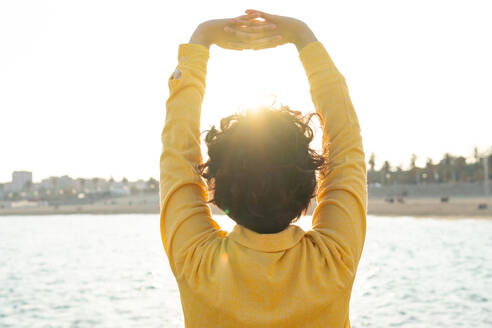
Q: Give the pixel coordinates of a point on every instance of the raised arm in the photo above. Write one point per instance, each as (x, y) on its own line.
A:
(186, 221)
(183, 194)
(340, 215)
(339, 220)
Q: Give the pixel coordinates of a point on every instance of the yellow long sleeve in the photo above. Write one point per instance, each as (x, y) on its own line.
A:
(245, 279)
(183, 194)
(342, 193)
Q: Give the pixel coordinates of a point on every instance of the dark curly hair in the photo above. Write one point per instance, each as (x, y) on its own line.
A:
(261, 171)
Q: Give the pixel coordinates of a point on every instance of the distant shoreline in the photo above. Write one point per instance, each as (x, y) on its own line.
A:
(456, 208)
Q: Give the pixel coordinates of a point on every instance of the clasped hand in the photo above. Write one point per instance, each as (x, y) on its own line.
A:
(247, 31)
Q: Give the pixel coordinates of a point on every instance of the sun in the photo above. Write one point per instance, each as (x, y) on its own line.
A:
(257, 104)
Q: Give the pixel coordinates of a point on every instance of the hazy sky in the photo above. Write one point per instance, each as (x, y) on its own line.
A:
(83, 84)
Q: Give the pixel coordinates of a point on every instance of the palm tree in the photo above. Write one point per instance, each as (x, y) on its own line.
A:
(430, 171)
(444, 168)
(414, 170)
(372, 161)
(372, 174)
(399, 175)
(476, 154)
(386, 175)
(460, 167)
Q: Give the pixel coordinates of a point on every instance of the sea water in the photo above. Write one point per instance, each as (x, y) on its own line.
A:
(111, 271)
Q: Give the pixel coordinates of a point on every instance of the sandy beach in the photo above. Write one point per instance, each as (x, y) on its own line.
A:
(456, 208)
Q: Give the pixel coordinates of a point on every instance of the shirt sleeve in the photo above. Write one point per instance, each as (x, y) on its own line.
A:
(340, 215)
(185, 216)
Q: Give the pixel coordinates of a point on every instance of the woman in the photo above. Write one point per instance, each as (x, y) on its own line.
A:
(266, 272)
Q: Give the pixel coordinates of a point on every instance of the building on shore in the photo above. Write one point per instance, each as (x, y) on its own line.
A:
(21, 180)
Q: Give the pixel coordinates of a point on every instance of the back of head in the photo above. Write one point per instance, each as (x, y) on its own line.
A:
(261, 171)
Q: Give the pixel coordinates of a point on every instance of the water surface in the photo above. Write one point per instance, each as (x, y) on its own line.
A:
(111, 271)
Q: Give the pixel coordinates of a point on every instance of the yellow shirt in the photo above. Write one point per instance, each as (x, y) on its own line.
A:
(244, 279)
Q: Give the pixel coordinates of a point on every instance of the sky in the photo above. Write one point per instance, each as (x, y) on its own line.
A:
(83, 84)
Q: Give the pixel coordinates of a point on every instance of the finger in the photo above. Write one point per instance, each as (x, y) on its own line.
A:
(252, 12)
(255, 12)
(248, 20)
(265, 45)
(241, 34)
(237, 45)
(260, 28)
(258, 13)
(256, 16)
(251, 29)
(247, 17)
(270, 39)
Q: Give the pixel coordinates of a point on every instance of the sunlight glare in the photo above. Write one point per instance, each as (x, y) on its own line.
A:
(255, 104)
